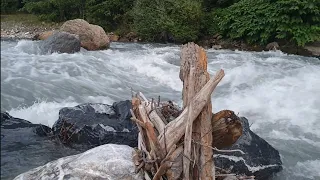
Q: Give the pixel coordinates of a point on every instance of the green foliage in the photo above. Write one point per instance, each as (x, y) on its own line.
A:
(9, 6)
(255, 21)
(298, 20)
(178, 18)
(55, 10)
(262, 21)
(210, 4)
(110, 14)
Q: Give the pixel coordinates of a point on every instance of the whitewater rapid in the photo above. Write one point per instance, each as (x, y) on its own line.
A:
(278, 93)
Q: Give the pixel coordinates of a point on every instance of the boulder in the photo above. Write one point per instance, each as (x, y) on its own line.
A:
(43, 35)
(313, 48)
(216, 47)
(92, 37)
(272, 46)
(113, 37)
(97, 124)
(25, 146)
(260, 159)
(61, 42)
(130, 37)
(104, 162)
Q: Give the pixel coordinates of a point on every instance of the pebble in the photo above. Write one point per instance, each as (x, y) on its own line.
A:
(21, 31)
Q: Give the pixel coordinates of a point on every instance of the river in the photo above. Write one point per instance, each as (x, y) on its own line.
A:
(278, 93)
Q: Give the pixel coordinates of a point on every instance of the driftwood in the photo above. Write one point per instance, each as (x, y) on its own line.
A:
(183, 147)
(194, 75)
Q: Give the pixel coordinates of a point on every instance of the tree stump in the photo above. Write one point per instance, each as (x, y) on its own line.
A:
(164, 147)
(194, 75)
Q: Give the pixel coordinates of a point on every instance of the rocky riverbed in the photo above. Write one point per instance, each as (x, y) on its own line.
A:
(23, 26)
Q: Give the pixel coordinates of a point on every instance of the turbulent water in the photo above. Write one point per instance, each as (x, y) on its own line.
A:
(278, 93)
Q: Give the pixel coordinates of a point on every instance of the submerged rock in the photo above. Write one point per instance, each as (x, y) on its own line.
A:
(108, 161)
(25, 145)
(61, 42)
(97, 124)
(259, 159)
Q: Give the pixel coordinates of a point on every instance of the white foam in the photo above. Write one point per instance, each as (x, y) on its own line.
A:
(102, 109)
(149, 63)
(108, 128)
(274, 134)
(41, 112)
(283, 92)
(99, 99)
(47, 113)
(309, 169)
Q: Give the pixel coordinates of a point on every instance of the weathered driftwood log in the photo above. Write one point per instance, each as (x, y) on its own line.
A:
(162, 150)
(194, 75)
(227, 129)
(176, 128)
(226, 126)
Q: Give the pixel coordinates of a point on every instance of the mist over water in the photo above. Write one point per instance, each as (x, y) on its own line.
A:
(278, 93)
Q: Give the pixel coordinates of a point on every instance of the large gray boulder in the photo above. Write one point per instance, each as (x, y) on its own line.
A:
(110, 162)
(61, 42)
(25, 146)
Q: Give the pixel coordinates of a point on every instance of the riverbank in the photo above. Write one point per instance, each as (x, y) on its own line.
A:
(26, 26)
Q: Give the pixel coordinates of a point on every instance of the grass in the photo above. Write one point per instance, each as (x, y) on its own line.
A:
(26, 19)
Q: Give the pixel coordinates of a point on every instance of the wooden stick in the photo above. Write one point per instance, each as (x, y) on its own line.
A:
(188, 132)
(176, 169)
(154, 143)
(143, 97)
(219, 150)
(155, 119)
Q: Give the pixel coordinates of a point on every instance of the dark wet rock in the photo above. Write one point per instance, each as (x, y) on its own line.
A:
(260, 158)
(61, 42)
(25, 145)
(97, 124)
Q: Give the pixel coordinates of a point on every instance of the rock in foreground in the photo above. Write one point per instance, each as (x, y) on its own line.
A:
(97, 124)
(92, 37)
(108, 161)
(61, 42)
(260, 158)
(25, 145)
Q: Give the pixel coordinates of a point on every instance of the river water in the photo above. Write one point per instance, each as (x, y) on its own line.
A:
(278, 93)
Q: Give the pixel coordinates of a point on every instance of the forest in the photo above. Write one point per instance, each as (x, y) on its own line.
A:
(180, 21)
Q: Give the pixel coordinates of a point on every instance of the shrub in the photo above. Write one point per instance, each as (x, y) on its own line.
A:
(55, 10)
(261, 21)
(9, 6)
(110, 14)
(178, 18)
